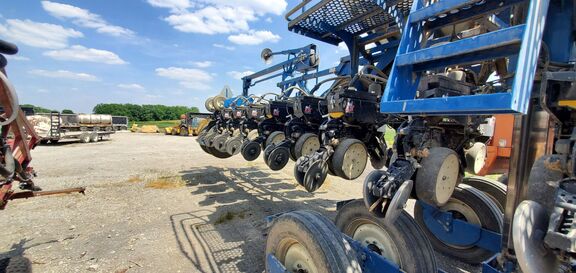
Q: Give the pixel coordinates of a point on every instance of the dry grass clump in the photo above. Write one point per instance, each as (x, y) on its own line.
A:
(165, 183)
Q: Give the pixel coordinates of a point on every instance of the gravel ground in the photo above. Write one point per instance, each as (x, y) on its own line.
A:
(157, 203)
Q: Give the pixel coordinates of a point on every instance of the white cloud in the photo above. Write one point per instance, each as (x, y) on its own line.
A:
(17, 58)
(190, 78)
(130, 86)
(254, 38)
(231, 48)
(269, 20)
(217, 16)
(174, 5)
(64, 74)
(84, 18)
(83, 54)
(203, 64)
(36, 34)
(213, 20)
(239, 75)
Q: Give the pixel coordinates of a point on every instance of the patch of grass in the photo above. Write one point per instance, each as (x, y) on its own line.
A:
(165, 183)
(161, 124)
(229, 216)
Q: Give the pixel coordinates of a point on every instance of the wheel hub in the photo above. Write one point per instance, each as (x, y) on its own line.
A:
(298, 259)
(376, 239)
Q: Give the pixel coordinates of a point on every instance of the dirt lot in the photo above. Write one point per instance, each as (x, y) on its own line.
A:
(157, 203)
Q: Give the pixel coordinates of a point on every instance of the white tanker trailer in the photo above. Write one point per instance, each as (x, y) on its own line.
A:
(52, 127)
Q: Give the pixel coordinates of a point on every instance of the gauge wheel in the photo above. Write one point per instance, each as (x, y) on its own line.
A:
(233, 146)
(438, 176)
(401, 242)
(251, 151)
(494, 189)
(220, 143)
(306, 241)
(475, 158)
(275, 138)
(306, 144)
(218, 154)
(278, 158)
(470, 205)
(315, 175)
(350, 158)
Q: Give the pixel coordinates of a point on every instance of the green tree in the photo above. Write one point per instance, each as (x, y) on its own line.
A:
(67, 111)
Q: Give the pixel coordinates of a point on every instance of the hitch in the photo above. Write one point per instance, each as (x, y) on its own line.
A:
(11, 195)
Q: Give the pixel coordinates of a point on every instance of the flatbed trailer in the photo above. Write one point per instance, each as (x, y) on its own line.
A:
(71, 126)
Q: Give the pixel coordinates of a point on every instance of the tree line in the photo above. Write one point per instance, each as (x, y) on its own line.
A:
(145, 112)
(40, 109)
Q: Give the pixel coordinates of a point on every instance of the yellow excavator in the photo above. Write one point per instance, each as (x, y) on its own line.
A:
(190, 124)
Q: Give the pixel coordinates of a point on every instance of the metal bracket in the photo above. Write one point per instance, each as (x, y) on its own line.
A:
(458, 232)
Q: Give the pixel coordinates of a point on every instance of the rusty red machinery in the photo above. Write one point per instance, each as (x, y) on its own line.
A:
(17, 139)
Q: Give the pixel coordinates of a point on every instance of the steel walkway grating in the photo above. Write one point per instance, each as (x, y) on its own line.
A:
(327, 19)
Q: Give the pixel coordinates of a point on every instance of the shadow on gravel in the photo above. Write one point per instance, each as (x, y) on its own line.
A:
(229, 234)
(13, 261)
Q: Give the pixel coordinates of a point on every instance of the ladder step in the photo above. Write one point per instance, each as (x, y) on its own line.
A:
(440, 7)
(491, 44)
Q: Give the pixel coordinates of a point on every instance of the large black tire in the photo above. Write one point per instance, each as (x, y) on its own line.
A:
(85, 137)
(351, 152)
(411, 249)
(306, 141)
(438, 176)
(547, 168)
(494, 189)
(327, 250)
(44, 141)
(94, 137)
(485, 210)
(274, 137)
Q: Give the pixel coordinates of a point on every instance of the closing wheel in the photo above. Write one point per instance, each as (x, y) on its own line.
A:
(251, 151)
(350, 158)
(292, 154)
(401, 242)
(315, 176)
(233, 145)
(475, 158)
(470, 205)
(306, 241)
(372, 202)
(494, 189)
(278, 158)
(529, 223)
(275, 138)
(298, 175)
(438, 176)
(306, 144)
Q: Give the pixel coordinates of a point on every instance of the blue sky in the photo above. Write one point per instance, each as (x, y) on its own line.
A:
(75, 54)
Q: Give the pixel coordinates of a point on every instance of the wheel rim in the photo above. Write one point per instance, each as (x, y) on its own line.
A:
(447, 178)
(311, 145)
(461, 211)
(296, 257)
(354, 160)
(375, 238)
(278, 138)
